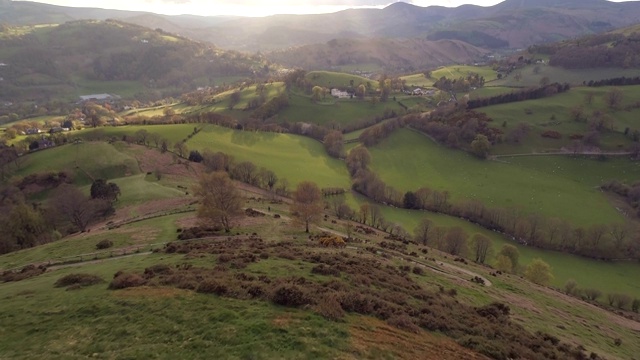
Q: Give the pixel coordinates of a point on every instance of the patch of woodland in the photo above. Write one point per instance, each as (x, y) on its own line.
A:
(68, 210)
(597, 51)
(340, 283)
(456, 127)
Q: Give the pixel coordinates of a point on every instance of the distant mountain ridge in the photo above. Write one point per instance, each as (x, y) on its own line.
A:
(512, 23)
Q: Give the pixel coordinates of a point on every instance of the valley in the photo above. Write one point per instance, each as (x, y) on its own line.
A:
(406, 183)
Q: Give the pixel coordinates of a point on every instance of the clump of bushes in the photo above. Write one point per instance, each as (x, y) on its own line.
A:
(291, 295)
(329, 307)
(323, 269)
(551, 134)
(104, 244)
(26, 272)
(404, 322)
(123, 280)
(76, 281)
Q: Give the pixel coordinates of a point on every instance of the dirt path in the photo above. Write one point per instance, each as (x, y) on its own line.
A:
(91, 262)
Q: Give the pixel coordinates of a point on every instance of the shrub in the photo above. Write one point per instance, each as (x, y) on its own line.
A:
(289, 295)
(418, 270)
(323, 269)
(330, 308)
(551, 134)
(159, 269)
(104, 244)
(403, 322)
(124, 280)
(212, 287)
(592, 294)
(356, 302)
(332, 241)
(26, 272)
(635, 305)
(78, 279)
(571, 287)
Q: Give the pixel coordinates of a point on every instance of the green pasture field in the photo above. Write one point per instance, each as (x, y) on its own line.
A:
(561, 75)
(84, 161)
(172, 132)
(418, 80)
(40, 120)
(291, 157)
(341, 112)
(407, 160)
(544, 110)
(52, 323)
(330, 79)
(138, 189)
(457, 71)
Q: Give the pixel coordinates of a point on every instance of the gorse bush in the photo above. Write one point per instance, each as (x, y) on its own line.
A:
(80, 280)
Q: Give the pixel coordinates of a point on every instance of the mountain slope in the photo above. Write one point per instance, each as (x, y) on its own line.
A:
(512, 23)
(86, 56)
(391, 54)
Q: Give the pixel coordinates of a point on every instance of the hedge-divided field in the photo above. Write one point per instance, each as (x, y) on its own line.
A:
(407, 160)
(553, 114)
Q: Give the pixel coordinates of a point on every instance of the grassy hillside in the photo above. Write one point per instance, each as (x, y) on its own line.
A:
(450, 72)
(85, 161)
(330, 80)
(609, 277)
(173, 133)
(342, 112)
(254, 326)
(293, 157)
(408, 161)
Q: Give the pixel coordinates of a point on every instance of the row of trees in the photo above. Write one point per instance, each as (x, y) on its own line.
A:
(617, 300)
(522, 95)
(461, 85)
(621, 81)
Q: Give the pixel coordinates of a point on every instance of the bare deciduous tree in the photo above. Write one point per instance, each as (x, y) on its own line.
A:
(307, 203)
(220, 201)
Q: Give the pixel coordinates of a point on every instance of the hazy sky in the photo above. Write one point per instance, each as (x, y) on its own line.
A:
(251, 7)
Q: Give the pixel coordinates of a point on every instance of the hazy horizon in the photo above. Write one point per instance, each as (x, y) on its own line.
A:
(253, 8)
